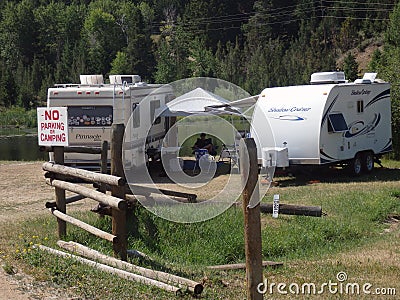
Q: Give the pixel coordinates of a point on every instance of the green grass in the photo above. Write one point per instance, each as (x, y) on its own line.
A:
(355, 217)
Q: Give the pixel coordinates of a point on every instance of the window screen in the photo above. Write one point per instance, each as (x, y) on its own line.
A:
(337, 123)
(99, 116)
(127, 79)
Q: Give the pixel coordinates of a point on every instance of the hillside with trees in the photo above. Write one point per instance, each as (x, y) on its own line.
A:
(254, 44)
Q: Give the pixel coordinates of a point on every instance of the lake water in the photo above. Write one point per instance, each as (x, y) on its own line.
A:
(20, 147)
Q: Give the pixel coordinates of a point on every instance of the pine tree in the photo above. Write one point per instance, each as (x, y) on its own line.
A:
(350, 67)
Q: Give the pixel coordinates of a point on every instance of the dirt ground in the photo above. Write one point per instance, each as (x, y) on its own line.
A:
(15, 202)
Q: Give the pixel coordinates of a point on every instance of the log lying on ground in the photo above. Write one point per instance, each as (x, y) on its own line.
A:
(243, 266)
(144, 190)
(84, 174)
(89, 193)
(93, 230)
(111, 270)
(191, 285)
(69, 200)
(288, 209)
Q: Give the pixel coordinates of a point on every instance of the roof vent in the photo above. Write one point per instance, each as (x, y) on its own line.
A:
(327, 77)
(367, 79)
(120, 79)
(91, 79)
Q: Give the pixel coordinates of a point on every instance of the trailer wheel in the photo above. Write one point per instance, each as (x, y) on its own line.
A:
(368, 162)
(355, 165)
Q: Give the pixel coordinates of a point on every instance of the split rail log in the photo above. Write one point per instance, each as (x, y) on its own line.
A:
(115, 271)
(84, 174)
(143, 190)
(69, 200)
(288, 209)
(93, 230)
(112, 201)
(265, 263)
(191, 285)
(252, 218)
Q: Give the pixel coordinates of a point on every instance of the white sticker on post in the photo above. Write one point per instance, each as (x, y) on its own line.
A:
(275, 206)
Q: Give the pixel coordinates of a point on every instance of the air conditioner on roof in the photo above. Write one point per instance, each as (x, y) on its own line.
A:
(327, 77)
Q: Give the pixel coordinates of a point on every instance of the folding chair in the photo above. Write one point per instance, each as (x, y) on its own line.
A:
(202, 158)
(198, 153)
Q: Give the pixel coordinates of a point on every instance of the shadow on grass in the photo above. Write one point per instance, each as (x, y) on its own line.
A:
(305, 176)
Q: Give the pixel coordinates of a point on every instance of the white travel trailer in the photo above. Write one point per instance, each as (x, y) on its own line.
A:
(329, 121)
(94, 106)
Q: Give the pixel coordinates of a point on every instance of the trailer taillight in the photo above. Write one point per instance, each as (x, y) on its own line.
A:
(87, 92)
(55, 93)
(97, 93)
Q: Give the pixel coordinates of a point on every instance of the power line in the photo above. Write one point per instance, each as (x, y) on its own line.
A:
(279, 11)
(244, 17)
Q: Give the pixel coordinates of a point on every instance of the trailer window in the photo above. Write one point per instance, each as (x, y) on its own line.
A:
(337, 123)
(98, 116)
(153, 106)
(360, 106)
(135, 115)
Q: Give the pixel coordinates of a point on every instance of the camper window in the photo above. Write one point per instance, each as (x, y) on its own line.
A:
(153, 106)
(135, 115)
(98, 116)
(337, 123)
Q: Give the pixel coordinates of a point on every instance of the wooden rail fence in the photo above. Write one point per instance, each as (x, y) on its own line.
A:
(60, 176)
(57, 175)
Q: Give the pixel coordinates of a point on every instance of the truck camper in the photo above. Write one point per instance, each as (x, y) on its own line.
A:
(330, 121)
(93, 106)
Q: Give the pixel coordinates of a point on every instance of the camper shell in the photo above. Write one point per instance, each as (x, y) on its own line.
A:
(93, 106)
(327, 122)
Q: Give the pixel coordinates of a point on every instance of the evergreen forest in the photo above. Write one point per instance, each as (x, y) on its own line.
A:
(254, 44)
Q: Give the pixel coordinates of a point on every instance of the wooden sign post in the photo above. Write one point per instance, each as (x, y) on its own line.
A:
(60, 193)
(252, 222)
(53, 131)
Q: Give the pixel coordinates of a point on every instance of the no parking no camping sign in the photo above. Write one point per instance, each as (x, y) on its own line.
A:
(52, 126)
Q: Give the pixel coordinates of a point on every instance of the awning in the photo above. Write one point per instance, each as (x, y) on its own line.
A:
(197, 101)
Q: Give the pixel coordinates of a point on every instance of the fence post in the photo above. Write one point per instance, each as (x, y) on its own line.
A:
(103, 167)
(252, 222)
(60, 193)
(118, 216)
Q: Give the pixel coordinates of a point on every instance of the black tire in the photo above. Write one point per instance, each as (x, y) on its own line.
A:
(356, 166)
(368, 162)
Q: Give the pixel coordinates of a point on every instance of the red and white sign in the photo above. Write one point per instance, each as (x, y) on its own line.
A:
(52, 126)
